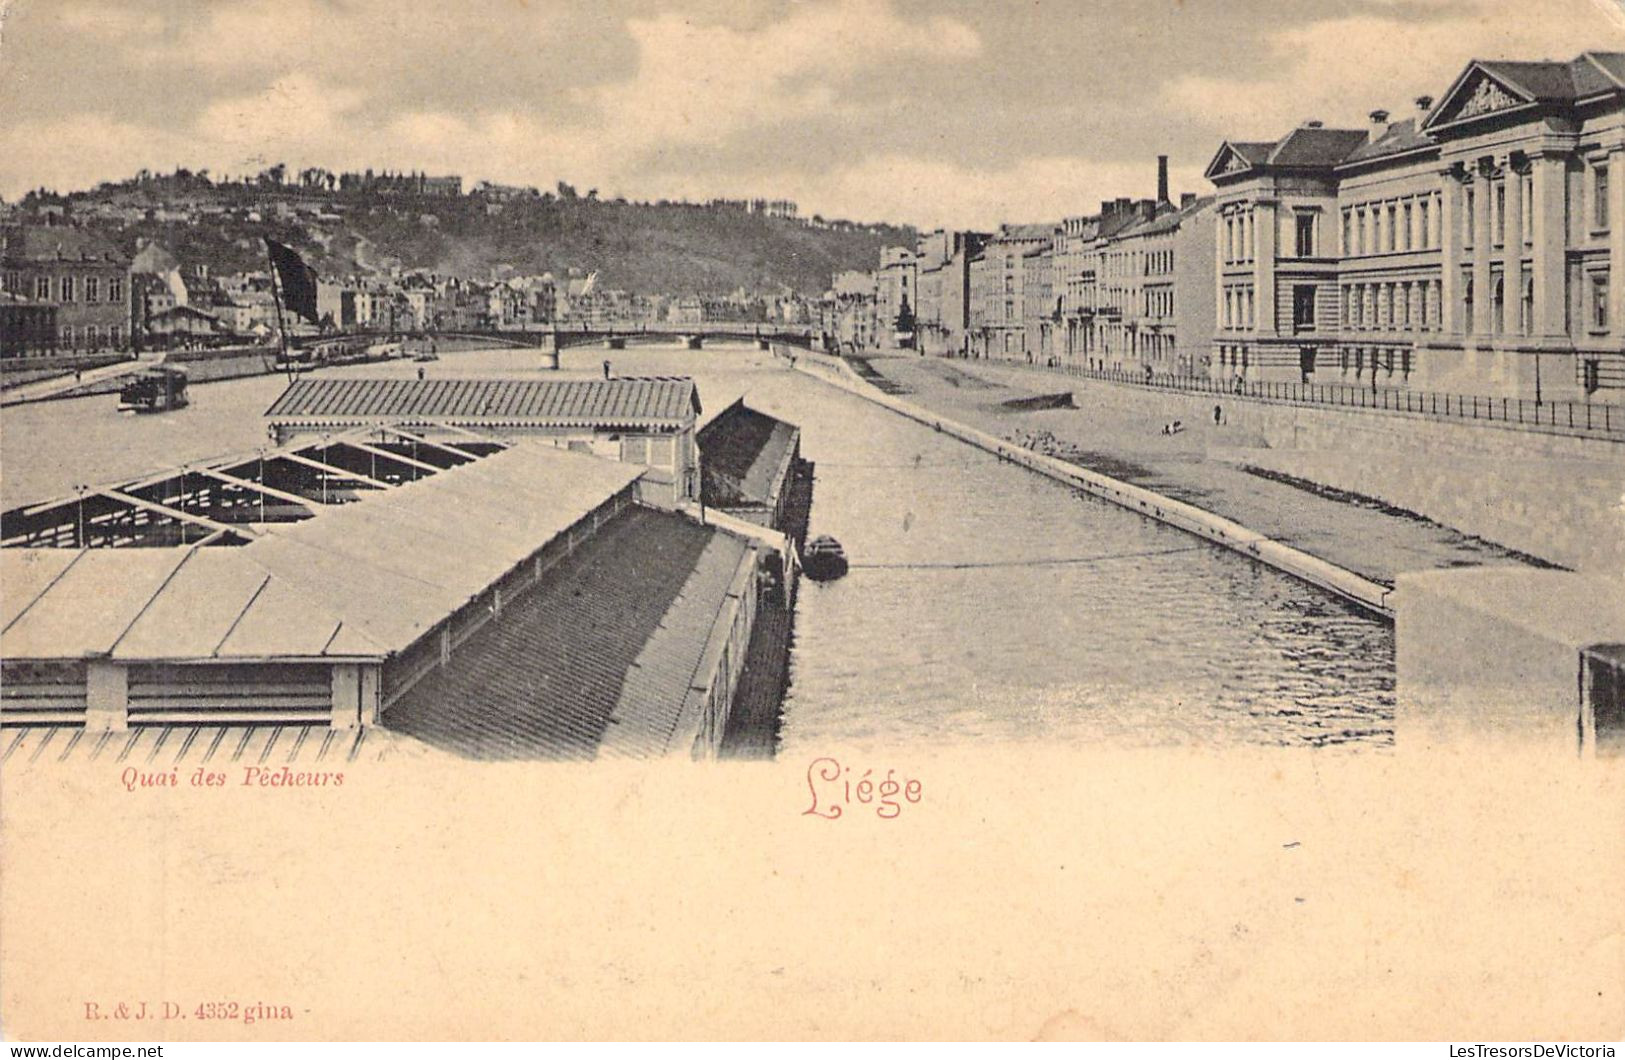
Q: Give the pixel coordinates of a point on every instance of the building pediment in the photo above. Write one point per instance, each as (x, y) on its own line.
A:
(1475, 94)
(1229, 161)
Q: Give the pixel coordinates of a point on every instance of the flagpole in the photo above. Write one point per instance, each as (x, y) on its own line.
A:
(276, 296)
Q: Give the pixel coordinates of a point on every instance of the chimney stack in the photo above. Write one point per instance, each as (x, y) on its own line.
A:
(1313, 123)
(1187, 199)
(1424, 104)
(1162, 178)
(1379, 123)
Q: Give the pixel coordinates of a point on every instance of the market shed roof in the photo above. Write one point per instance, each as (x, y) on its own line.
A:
(626, 402)
(362, 579)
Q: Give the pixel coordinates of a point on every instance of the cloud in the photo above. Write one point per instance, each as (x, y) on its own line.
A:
(80, 151)
(872, 109)
(1339, 69)
(704, 83)
(930, 192)
(295, 115)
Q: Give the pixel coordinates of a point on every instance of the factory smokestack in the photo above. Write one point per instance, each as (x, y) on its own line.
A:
(1162, 178)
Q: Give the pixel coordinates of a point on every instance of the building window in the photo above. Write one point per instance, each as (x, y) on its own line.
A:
(1599, 300)
(67, 335)
(1467, 304)
(93, 289)
(1405, 229)
(1467, 218)
(1393, 227)
(42, 288)
(115, 336)
(1303, 307)
(1426, 239)
(1348, 231)
(1498, 306)
(1501, 212)
(90, 336)
(1526, 306)
(1600, 187)
(66, 286)
(1306, 235)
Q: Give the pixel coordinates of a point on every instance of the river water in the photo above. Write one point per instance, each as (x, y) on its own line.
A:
(984, 602)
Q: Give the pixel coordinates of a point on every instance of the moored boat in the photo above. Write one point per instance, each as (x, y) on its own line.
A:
(157, 389)
(823, 559)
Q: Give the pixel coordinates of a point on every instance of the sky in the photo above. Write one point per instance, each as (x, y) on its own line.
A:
(962, 113)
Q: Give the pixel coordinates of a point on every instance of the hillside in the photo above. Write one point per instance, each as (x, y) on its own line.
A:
(668, 248)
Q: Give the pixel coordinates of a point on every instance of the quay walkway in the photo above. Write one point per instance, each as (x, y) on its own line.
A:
(1370, 541)
(68, 384)
(1579, 419)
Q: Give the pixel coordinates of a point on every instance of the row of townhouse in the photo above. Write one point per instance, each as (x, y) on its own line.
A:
(1477, 246)
(1098, 291)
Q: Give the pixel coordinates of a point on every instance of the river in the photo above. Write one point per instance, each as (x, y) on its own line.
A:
(984, 602)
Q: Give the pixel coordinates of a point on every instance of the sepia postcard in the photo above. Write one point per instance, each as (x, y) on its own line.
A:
(812, 520)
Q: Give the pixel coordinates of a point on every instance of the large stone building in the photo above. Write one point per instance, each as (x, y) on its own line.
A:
(79, 273)
(999, 289)
(943, 316)
(1475, 247)
(1093, 295)
(1156, 282)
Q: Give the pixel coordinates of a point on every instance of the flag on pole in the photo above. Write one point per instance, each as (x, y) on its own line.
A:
(298, 280)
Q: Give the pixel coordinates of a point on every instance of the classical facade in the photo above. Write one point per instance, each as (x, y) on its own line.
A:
(1477, 246)
(83, 276)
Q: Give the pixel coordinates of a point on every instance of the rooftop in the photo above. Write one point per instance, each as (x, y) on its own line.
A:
(742, 451)
(57, 243)
(358, 576)
(627, 617)
(656, 401)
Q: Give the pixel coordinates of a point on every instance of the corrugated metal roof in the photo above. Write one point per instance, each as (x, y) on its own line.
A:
(364, 579)
(625, 620)
(648, 716)
(162, 746)
(654, 401)
(741, 450)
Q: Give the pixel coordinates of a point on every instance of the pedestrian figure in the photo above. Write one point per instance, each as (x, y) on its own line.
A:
(606, 369)
(1218, 415)
(420, 371)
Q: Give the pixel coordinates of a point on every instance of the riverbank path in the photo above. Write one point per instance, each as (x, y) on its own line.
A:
(1368, 538)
